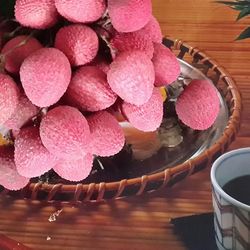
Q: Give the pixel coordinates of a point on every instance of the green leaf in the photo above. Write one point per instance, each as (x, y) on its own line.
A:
(243, 13)
(235, 3)
(7, 8)
(238, 7)
(245, 34)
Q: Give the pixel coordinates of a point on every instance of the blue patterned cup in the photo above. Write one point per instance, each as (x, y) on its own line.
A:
(231, 217)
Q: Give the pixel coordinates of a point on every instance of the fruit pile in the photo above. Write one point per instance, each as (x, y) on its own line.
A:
(69, 68)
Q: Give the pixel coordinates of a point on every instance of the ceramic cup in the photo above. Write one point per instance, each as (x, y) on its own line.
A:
(231, 217)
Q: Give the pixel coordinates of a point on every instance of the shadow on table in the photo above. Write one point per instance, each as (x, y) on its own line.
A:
(196, 231)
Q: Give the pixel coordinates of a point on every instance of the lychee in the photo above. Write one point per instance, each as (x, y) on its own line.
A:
(132, 41)
(75, 170)
(23, 113)
(9, 95)
(45, 76)
(37, 14)
(129, 15)
(31, 157)
(151, 31)
(147, 117)
(78, 42)
(132, 76)
(9, 177)
(17, 49)
(107, 137)
(166, 65)
(81, 11)
(89, 90)
(198, 106)
(65, 132)
(100, 63)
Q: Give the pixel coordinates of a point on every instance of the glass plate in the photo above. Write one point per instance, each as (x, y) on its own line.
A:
(146, 154)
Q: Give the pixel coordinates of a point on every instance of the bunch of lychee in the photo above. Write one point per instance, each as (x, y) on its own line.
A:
(59, 96)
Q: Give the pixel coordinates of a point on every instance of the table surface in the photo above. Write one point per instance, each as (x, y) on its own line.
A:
(143, 222)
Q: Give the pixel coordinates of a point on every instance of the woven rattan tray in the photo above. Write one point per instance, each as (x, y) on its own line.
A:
(166, 176)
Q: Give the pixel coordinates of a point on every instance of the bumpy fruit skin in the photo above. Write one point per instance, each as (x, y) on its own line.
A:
(89, 90)
(75, 170)
(9, 95)
(100, 63)
(78, 42)
(9, 177)
(15, 58)
(37, 14)
(65, 132)
(131, 76)
(23, 113)
(198, 106)
(31, 157)
(167, 67)
(147, 117)
(132, 41)
(107, 137)
(81, 11)
(151, 31)
(129, 15)
(45, 76)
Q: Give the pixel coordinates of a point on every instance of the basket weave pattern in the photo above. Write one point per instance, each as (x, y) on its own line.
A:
(147, 183)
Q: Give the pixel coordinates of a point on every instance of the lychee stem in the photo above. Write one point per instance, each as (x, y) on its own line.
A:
(112, 50)
(13, 33)
(105, 14)
(106, 23)
(100, 163)
(3, 22)
(37, 119)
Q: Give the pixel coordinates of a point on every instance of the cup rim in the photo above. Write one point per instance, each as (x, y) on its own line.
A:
(215, 184)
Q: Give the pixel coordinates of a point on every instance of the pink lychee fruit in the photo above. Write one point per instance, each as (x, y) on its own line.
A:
(75, 170)
(167, 67)
(45, 76)
(89, 90)
(31, 157)
(132, 41)
(147, 117)
(132, 76)
(37, 14)
(129, 15)
(100, 63)
(9, 95)
(198, 106)
(78, 42)
(107, 137)
(17, 49)
(65, 132)
(81, 11)
(9, 177)
(23, 113)
(151, 31)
